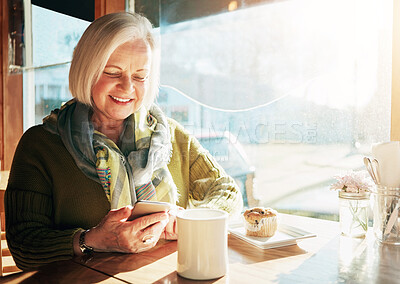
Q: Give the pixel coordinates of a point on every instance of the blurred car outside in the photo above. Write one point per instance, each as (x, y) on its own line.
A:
(230, 154)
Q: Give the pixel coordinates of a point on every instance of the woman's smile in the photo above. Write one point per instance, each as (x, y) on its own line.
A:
(121, 101)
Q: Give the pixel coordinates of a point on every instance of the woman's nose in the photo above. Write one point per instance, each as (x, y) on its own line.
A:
(127, 84)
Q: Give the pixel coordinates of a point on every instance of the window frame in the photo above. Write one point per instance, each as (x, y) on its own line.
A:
(395, 100)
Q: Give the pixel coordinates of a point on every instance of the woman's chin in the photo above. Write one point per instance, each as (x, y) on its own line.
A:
(120, 113)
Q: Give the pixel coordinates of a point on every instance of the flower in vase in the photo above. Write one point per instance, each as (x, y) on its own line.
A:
(353, 181)
(354, 188)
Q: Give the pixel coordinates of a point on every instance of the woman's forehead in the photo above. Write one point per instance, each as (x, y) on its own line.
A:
(135, 45)
(136, 50)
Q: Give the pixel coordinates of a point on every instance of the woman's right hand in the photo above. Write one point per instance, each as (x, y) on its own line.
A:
(116, 234)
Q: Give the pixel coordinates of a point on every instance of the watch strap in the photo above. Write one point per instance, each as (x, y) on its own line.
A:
(82, 245)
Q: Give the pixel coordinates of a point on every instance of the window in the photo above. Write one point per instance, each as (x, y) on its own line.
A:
(52, 47)
(303, 86)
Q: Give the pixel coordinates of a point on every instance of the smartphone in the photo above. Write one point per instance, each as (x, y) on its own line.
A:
(146, 207)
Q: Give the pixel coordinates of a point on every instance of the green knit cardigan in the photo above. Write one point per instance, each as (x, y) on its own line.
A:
(48, 199)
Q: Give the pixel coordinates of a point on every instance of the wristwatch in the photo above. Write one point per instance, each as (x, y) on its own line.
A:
(82, 246)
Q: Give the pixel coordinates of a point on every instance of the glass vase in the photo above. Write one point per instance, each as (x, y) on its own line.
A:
(353, 213)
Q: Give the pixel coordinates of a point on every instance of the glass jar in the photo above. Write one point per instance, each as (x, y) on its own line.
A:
(353, 213)
(387, 215)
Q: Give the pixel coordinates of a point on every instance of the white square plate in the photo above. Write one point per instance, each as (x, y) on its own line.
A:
(285, 235)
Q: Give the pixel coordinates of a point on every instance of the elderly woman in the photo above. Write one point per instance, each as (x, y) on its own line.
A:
(75, 178)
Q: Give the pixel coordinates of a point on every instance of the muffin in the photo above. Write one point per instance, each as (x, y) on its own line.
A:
(260, 222)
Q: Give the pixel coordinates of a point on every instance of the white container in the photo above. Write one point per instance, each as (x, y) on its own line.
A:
(202, 243)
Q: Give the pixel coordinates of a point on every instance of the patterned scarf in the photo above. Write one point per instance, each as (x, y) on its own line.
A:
(135, 170)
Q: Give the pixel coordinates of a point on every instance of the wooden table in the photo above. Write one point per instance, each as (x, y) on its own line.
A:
(327, 258)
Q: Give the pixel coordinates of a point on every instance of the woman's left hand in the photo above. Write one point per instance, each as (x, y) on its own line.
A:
(171, 230)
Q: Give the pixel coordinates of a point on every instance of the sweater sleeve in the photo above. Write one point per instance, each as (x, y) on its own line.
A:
(210, 185)
(30, 231)
(205, 182)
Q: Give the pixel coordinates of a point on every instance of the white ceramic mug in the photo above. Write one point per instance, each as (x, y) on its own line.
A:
(202, 243)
